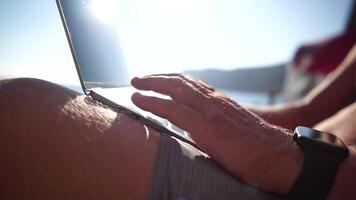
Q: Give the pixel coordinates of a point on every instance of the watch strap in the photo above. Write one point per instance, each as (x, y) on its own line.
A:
(317, 176)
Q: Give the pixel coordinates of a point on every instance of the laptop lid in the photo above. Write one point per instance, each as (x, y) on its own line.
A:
(94, 45)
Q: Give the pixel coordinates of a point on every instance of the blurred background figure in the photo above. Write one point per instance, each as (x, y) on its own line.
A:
(311, 63)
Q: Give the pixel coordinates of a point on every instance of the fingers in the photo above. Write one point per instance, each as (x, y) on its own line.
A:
(177, 113)
(211, 97)
(217, 97)
(203, 87)
(178, 88)
(188, 91)
(192, 109)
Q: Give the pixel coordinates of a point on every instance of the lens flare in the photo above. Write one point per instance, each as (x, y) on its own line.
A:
(104, 10)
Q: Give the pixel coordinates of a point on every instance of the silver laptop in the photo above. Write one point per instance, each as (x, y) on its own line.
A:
(101, 67)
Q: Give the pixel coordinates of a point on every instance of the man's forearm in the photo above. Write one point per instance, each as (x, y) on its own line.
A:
(272, 161)
(264, 157)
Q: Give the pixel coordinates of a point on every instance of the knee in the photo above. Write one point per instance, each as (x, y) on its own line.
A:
(15, 83)
(26, 91)
(28, 86)
(26, 98)
(26, 101)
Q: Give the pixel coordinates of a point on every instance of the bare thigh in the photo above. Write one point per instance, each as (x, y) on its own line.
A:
(58, 144)
(342, 124)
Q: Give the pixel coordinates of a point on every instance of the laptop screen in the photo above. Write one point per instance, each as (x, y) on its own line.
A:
(95, 46)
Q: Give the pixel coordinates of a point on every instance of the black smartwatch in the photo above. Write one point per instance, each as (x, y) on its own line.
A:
(323, 153)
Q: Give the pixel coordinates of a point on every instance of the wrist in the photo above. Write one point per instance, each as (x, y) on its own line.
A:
(323, 154)
(281, 164)
(274, 169)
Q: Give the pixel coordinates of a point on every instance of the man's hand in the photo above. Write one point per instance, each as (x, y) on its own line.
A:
(238, 140)
(207, 115)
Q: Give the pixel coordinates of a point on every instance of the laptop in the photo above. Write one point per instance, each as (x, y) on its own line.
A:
(101, 66)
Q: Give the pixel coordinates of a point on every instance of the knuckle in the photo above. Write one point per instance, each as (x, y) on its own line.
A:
(181, 81)
(207, 86)
(179, 87)
(176, 82)
(180, 75)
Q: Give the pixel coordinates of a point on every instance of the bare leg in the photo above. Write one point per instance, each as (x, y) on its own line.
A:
(57, 144)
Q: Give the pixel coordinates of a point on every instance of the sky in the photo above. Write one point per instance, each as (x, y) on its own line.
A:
(168, 35)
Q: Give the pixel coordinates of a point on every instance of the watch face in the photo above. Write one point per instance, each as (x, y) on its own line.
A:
(320, 137)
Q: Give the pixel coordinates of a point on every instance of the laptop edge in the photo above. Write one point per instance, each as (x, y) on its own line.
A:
(88, 91)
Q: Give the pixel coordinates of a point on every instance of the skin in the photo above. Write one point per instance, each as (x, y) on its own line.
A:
(323, 105)
(58, 144)
(224, 130)
(230, 133)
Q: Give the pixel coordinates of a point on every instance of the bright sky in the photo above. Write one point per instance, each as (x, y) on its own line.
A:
(169, 35)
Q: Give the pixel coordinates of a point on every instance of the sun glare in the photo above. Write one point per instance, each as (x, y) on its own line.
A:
(103, 10)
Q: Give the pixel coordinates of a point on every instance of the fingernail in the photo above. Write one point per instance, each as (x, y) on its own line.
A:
(135, 79)
(137, 95)
(137, 98)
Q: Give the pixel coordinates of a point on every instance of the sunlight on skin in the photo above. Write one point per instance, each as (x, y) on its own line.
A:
(94, 114)
(147, 132)
(101, 119)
